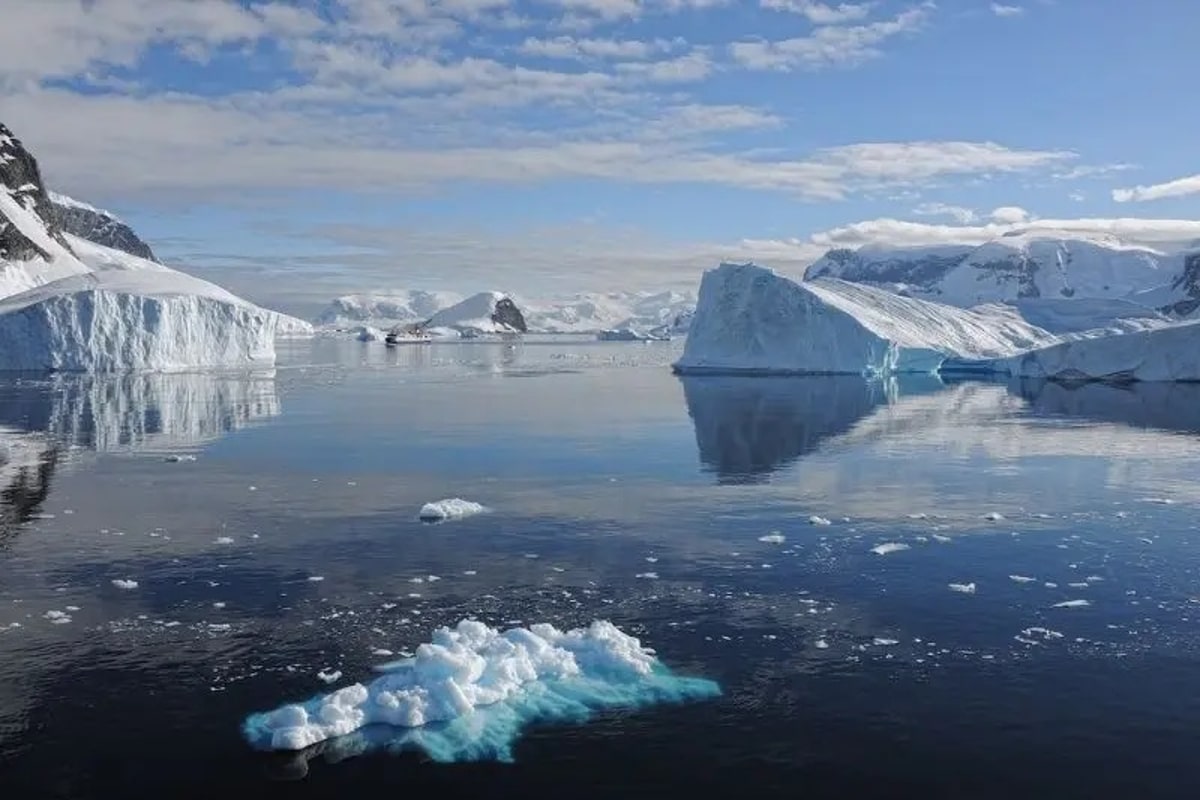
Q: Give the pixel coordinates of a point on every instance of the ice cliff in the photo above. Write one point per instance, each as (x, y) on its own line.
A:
(750, 320)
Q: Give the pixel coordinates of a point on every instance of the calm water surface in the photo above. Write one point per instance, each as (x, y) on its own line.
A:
(845, 672)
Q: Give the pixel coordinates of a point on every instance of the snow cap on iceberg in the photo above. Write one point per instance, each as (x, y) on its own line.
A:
(750, 320)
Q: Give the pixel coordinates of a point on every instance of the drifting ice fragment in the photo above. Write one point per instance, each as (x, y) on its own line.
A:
(467, 694)
(964, 588)
(122, 583)
(330, 676)
(889, 547)
(771, 538)
(815, 520)
(1022, 579)
(993, 516)
(453, 508)
(1072, 604)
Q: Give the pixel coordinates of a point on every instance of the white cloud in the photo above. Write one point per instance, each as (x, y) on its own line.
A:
(1009, 215)
(822, 13)
(684, 69)
(1001, 10)
(572, 48)
(959, 214)
(1078, 197)
(829, 46)
(1181, 187)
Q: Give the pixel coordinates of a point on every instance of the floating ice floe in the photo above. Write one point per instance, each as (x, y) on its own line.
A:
(815, 520)
(57, 617)
(964, 588)
(647, 575)
(1022, 579)
(124, 583)
(993, 516)
(179, 458)
(1073, 604)
(330, 675)
(224, 540)
(467, 694)
(453, 508)
(889, 547)
(771, 538)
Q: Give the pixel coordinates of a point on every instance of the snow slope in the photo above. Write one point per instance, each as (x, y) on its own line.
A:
(386, 308)
(486, 312)
(750, 320)
(1021, 265)
(484, 685)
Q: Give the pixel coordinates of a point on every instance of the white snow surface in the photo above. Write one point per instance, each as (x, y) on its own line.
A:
(474, 313)
(751, 320)
(71, 202)
(453, 508)
(462, 671)
(384, 309)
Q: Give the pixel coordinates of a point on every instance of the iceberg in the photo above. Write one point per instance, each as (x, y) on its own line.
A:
(1163, 353)
(749, 320)
(133, 320)
(453, 508)
(467, 693)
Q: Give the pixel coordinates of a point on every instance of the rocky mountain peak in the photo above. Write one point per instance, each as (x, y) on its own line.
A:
(21, 180)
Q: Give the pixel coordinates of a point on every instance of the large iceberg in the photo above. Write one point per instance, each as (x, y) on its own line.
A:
(1162, 353)
(133, 320)
(467, 694)
(750, 320)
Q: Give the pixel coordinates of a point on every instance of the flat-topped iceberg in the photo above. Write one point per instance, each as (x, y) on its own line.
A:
(750, 320)
(467, 694)
(133, 320)
(1164, 353)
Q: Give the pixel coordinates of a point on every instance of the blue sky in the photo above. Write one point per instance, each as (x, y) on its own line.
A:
(303, 148)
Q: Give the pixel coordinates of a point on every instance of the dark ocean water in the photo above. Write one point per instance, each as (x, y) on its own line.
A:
(845, 673)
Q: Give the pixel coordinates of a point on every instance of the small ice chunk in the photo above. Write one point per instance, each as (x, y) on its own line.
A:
(937, 537)
(651, 559)
(964, 588)
(315, 578)
(889, 547)
(124, 583)
(452, 508)
(218, 605)
(179, 458)
(1145, 539)
(1044, 633)
(381, 651)
(774, 537)
(1022, 579)
(821, 644)
(879, 641)
(1072, 604)
(1082, 585)
(57, 617)
(647, 575)
(330, 676)
(919, 515)
(224, 540)
(470, 572)
(1161, 501)
(993, 516)
(815, 520)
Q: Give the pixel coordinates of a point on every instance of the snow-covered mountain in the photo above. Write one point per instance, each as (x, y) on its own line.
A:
(667, 312)
(70, 304)
(98, 226)
(486, 312)
(1020, 265)
(385, 309)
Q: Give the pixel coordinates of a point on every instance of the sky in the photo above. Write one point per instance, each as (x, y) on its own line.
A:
(295, 150)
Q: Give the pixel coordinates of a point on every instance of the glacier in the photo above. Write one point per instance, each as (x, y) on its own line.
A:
(750, 320)
(467, 694)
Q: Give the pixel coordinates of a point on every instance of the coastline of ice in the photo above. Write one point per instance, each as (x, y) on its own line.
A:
(468, 693)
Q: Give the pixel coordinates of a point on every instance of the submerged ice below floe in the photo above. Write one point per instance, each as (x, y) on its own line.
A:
(468, 693)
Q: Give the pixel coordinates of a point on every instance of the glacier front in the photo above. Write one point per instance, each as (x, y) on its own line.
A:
(750, 320)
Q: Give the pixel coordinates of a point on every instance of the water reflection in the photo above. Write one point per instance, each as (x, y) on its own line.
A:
(748, 428)
(27, 466)
(138, 412)
(1165, 406)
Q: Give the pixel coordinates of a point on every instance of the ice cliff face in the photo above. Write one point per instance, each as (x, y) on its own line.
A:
(750, 320)
(105, 321)
(21, 184)
(99, 226)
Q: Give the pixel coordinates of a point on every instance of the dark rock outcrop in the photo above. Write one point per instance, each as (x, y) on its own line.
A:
(508, 314)
(99, 227)
(1188, 282)
(21, 179)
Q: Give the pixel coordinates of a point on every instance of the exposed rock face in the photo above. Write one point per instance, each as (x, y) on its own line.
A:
(1188, 282)
(22, 180)
(507, 313)
(98, 226)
